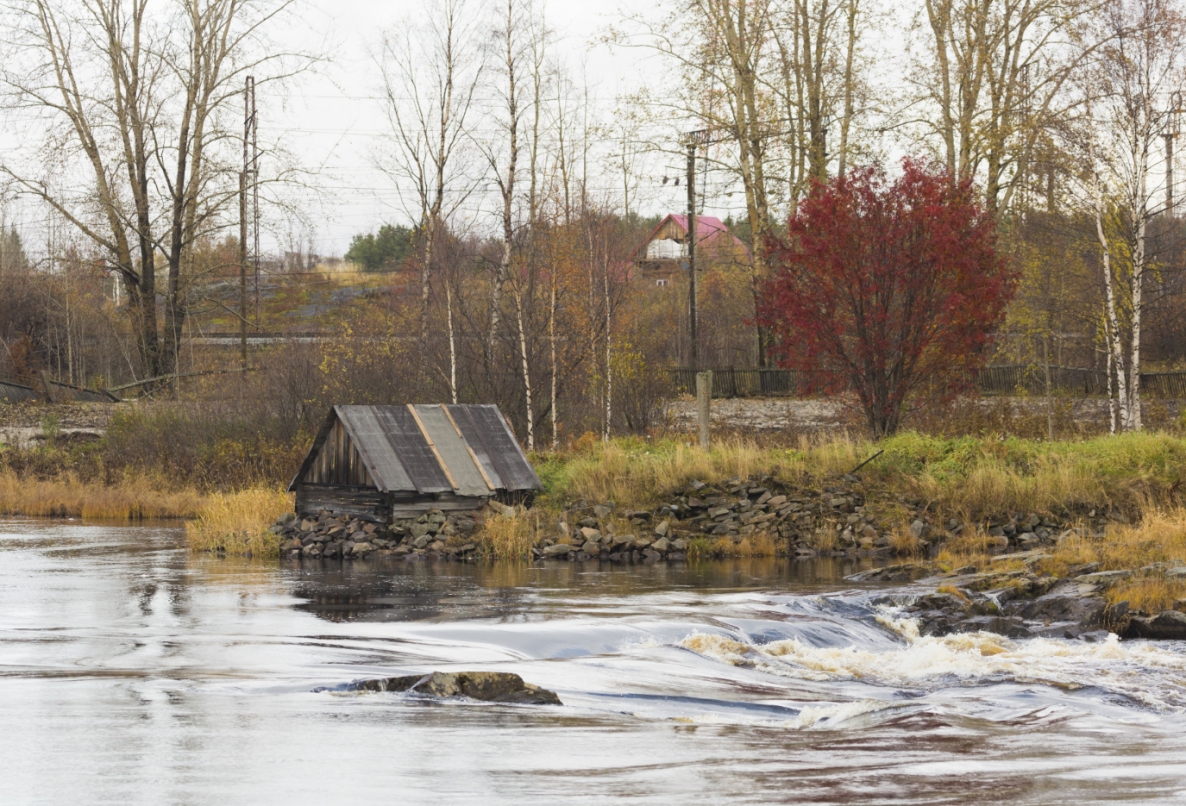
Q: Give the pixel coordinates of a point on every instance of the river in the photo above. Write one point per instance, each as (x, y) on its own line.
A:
(134, 672)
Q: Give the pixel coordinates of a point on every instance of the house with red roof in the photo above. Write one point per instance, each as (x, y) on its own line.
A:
(663, 256)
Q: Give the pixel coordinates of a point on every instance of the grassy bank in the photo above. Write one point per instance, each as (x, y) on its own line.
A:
(976, 477)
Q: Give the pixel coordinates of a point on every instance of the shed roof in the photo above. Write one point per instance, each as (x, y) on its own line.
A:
(56, 392)
(427, 448)
(15, 392)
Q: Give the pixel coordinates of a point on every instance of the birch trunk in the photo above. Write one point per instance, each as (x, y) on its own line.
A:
(526, 371)
(1112, 412)
(849, 78)
(552, 340)
(1140, 223)
(452, 340)
(609, 373)
(1116, 355)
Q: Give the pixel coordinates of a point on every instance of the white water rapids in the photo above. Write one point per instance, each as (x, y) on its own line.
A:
(133, 672)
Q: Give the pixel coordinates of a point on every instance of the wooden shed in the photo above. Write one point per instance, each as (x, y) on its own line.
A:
(381, 463)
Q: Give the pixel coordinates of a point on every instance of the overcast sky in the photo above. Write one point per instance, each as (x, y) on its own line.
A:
(333, 120)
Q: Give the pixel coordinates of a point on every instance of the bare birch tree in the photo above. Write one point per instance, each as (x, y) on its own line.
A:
(765, 78)
(503, 156)
(431, 71)
(1131, 83)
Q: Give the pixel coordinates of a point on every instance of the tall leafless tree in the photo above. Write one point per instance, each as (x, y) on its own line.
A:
(138, 101)
(431, 69)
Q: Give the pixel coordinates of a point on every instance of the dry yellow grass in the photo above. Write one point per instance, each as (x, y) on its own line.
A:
(237, 523)
(903, 541)
(1160, 537)
(985, 476)
(133, 498)
(1151, 594)
(825, 539)
(508, 538)
(993, 488)
(951, 590)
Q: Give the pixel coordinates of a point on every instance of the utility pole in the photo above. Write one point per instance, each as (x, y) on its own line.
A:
(702, 137)
(693, 302)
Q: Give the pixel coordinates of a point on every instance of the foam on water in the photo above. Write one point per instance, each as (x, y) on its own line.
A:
(1147, 673)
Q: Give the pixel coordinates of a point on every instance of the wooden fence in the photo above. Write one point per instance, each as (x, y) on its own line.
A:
(732, 382)
(998, 379)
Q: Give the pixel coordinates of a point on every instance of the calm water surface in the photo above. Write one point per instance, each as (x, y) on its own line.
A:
(132, 672)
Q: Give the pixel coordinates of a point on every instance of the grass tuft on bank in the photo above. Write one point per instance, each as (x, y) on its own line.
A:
(237, 523)
(509, 536)
(637, 473)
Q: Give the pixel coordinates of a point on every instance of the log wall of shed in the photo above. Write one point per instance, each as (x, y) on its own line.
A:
(338, 462)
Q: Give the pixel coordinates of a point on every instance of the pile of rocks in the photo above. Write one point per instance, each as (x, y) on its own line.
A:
(1022, 602)
(430, 536)
(733, 511)
(596, 535)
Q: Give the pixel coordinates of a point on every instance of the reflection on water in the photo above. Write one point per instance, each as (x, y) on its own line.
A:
(132, 672)
(397, 591)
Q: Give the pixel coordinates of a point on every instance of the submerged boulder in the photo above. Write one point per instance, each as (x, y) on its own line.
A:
(484, 686)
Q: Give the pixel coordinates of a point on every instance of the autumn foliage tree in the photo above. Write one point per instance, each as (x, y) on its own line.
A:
(891, 288)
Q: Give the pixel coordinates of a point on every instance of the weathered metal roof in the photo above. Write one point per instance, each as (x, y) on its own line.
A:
(16, 392)
(468, 450)
(12, 392)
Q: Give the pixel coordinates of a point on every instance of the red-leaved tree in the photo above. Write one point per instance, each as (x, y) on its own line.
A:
(891, 289)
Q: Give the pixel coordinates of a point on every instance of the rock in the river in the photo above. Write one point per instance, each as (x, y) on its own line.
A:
(484, 686)
(1066, 605)
(1167, 625)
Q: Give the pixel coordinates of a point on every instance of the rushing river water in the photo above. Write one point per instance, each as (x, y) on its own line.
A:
(133, 672)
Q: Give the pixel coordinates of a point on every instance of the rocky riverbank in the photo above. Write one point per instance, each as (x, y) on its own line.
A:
(838, 518)
(1009, 595)
(758, 515)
